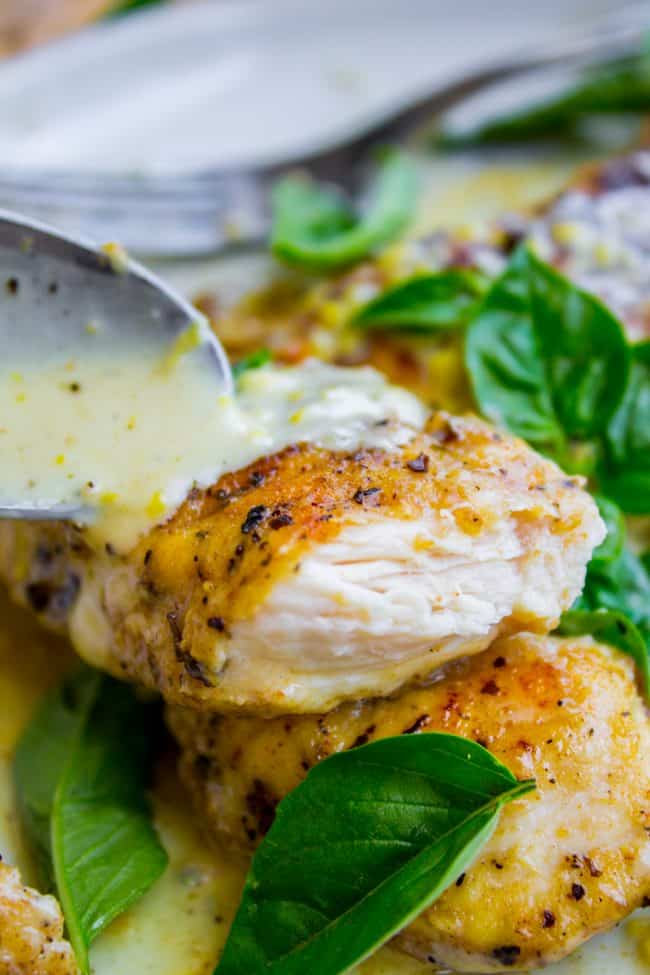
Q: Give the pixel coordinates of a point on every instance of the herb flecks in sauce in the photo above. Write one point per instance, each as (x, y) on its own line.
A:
(127, 440)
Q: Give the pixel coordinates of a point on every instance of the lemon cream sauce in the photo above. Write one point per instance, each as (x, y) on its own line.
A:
(125, 440)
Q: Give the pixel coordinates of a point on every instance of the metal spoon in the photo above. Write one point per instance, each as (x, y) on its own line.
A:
(199, 213)
(53, 286)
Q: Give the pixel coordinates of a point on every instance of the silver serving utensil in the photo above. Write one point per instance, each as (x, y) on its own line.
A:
(221, 208)
(53, 287)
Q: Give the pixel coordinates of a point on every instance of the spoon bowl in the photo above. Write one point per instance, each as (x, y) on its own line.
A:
(55, 291)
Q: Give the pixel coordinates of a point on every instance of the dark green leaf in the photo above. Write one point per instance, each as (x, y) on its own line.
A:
(546, 359)
(622, 586)
(367, 841)
(253, 361)
(426, 302)
(79, 772)
(615, 87)
(41, 755)
(625, 474)
(614, 628)
(612, 545)
(314, 228)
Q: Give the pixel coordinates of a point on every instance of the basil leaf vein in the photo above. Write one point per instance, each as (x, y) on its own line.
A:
(79, 772)
(425, 302)
(366, 842)
(545, 358)
(313, 226)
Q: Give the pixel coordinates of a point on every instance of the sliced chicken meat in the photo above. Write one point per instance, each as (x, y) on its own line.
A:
(313, 576)
(31, 930)
(566, 862)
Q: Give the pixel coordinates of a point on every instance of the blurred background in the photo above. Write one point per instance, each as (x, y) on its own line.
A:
(162, 122)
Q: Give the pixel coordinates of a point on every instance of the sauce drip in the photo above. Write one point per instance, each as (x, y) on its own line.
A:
(126, 440)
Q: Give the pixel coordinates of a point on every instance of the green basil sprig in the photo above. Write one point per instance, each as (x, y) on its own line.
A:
(425, 302)
(614, 542)
(625, 471)
(79, 772)
(366, 842)
(615, 87)
(621, 585)
(314, 228)
(545, 358)
(615, 603)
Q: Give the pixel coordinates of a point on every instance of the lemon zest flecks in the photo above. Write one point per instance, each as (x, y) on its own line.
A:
(157, 506)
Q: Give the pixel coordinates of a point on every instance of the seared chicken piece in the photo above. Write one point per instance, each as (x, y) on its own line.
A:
(31, 931)
(315, 577)
(565, 862)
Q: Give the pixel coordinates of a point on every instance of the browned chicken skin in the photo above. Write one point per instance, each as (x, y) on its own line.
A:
(31, 931)
(566, 862)
(314, 577)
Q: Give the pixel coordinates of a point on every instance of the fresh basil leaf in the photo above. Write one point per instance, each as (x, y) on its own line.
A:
(366, 842)
(546, 359)
(615, 87)
(425, 302)
(314, 228)
(255, 360)
(625, 475)
(614, 628)
(41, 756)
(79, 771)
(622, 585)
(612, 545)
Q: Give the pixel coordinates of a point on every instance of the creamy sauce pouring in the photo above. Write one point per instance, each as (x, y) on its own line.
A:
(126, 439)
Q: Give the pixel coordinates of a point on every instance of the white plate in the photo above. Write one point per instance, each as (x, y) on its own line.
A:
(177, 88)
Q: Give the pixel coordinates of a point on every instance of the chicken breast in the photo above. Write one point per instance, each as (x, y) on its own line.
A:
(315, 576)
(565, 862)
(31, 931)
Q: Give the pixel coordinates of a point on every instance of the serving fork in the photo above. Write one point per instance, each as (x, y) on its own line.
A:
(205, 212)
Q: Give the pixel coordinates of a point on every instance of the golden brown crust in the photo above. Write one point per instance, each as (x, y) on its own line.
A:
(170, 611)
(565, 863)
(31, 931)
